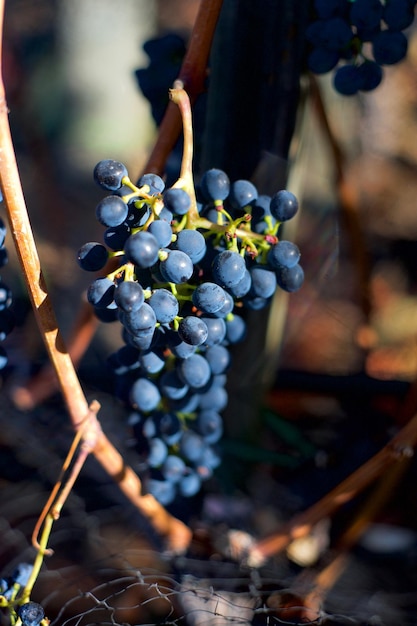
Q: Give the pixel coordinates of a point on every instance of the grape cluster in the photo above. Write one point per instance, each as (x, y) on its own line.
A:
(365, 34)
(184, 269)
(7, 320)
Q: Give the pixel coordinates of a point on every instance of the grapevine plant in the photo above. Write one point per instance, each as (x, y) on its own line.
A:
(187, 262)
(179, 265)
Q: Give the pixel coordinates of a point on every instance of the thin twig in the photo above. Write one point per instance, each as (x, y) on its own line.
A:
(178, 534)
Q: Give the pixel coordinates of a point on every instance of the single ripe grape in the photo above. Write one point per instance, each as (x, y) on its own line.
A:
(177, 200)
(193, 330)
(142, 249)
(242, 194)
(92, 256)
(209, 425)
(190, 484)
(162, 490)
(101, 293)
(129, 296)
(264, 282)
(31, 614)
(389, 47)
(218, 357)
(145, 395)
(162, 232)
(228, 268)
(195, 371)
(209, 297)
(290, 278)
(173, 468)
(192, 243)
(216, 330)
(109, 174)
(158, 452)
(165, 305)
(347, 80)
(215, 185)
(172, 386)
(153, 181)
(177, 267)
(111, 211)
(284, 253)
(284, 205)
(116, 237)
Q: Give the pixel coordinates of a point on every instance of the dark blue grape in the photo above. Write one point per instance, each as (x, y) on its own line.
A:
(242, 194)
(177, 201)
(31, 613)
(169, 428)
(215, 185)
(284, 253)
(165, 305)
(162, 232)
(192, 243)
(371, 75)
(398, 14)
(209, 425)
(209, 297)
(162, 490)
(216, 330)
(193, 330)
(180, 348)
(101, 293)
(154, 182)
(139, 321)
(115, 238)
(235, 329)
(263, 282)
(284, 205)
(145, 395)
(190, 484)
(228, 268)
(109, 174)
(142, 249)
(177, 267)
(111, 211)
(389, 47)
(243, 286)
(172, 386)
(173, 468)
(129, 296)
(191, 445)
(151, 361)
(158, 452)
(218, 357)
(322, 60)
(195, 371)
(366, 14)
(215, 398)
(347, 80)
(290, 278)
(92, 256)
